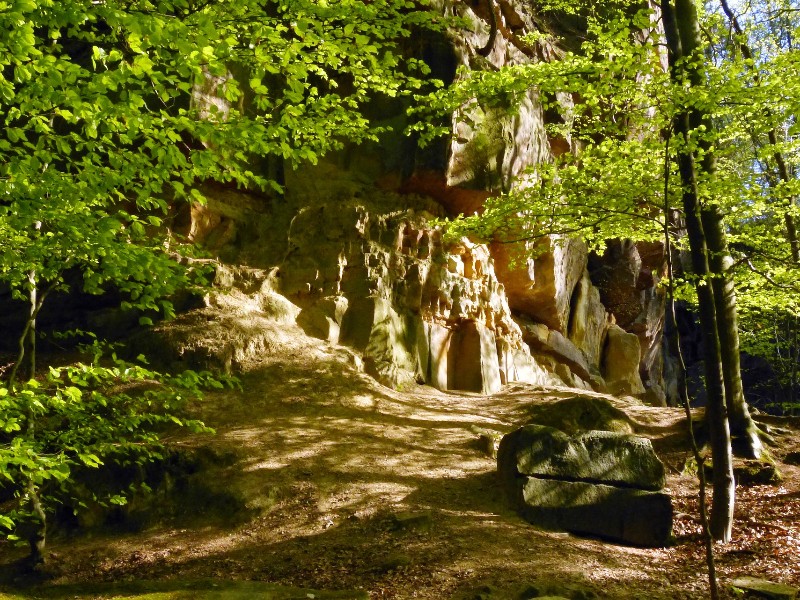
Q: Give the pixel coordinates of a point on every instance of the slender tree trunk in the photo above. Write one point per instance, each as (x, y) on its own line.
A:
(683, 39)
(794, 355)
(671, 326)
(721, 521)
(744, 432)
(671, 333)
(37, 530)
(37, 534)
(30, 342)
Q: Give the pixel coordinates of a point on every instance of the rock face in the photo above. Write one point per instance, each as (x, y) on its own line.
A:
(621, 362)
(416, 308)
(354, 256)
(542, 288)
(352, 246)
(597, 483)
(626, 276)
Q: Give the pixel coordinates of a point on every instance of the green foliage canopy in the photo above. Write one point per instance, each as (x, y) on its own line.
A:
(113, 110)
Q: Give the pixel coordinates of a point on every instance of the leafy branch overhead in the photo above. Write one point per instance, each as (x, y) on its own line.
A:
(114, 110)
(113, 113)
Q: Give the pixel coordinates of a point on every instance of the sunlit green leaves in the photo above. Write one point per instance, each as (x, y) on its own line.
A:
(102, 103)
(113, 112)
(85, 416)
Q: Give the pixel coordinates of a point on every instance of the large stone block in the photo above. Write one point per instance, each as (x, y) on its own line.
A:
(594, 483)
(491, 146)
(618, 459)
(620, 363)
(626, 515)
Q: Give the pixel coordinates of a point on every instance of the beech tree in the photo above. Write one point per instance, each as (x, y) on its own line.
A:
(706, 233)
(762, 40)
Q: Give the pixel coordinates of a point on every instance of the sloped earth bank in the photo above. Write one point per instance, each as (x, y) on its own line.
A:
(335, 482)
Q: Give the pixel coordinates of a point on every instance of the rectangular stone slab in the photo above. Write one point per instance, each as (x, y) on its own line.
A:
(594, 456)
(630, 516)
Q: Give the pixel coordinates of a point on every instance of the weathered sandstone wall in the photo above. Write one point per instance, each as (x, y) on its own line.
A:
(354, 244)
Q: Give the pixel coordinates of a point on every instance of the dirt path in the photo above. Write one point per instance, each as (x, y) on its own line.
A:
(340, 483)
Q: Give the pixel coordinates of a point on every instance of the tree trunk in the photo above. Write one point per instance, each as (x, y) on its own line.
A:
(744, 432)
(37, 531)
(30, 342)
(683, 39)
(721, 522)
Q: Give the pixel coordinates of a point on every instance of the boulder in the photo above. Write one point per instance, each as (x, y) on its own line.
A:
(749, 473)
(792, 458)
(574, 415)
(756, 472)
(596, 483)
(763, 588)
(594, 456)
(620, 365)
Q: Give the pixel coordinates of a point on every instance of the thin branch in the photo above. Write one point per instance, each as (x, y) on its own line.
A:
(31, 319)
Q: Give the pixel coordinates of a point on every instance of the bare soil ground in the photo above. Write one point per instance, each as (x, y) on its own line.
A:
(341, 483)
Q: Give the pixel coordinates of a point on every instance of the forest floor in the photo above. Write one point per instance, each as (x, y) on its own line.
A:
(331, 481)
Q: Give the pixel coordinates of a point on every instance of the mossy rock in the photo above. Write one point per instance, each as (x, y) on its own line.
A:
(746, 473)
(411, 521)
(756, 472)
(553, 590)
(579, 414)
(184, 486)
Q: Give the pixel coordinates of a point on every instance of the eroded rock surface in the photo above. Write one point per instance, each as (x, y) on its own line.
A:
(353, 247)
(416, 307)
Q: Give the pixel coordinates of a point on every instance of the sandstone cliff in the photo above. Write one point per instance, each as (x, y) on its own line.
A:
(354, 245)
